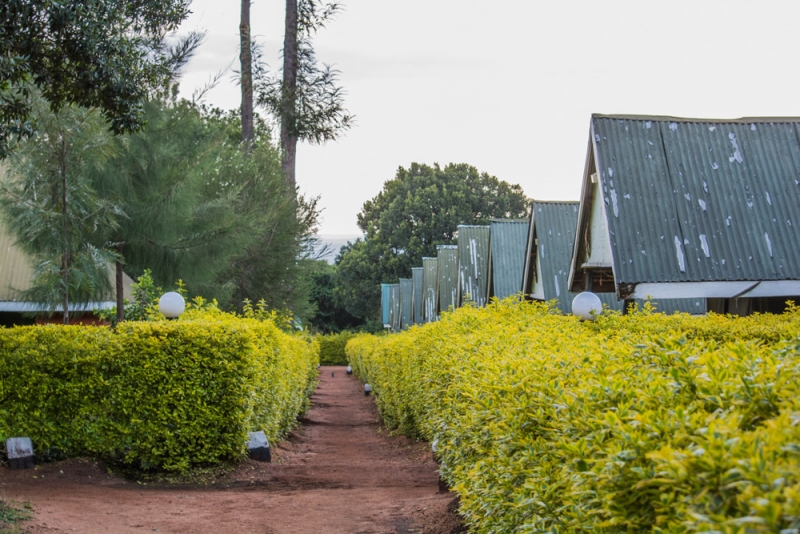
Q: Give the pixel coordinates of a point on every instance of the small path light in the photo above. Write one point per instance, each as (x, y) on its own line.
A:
(258, 446)
(20, 453)
(367, 389)
(586, 305)
(171, 305)
(349, 370)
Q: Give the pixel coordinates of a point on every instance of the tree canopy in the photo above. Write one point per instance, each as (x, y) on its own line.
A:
(106, 54)
(416, 211)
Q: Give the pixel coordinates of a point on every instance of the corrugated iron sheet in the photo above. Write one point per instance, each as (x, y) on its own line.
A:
(507, 244)
(429, 287)
(473, 260)
(554, 226)
(447, 258)
(386, 304)
(406, 298)
(700, 200)
(394, 306)
(416, 281)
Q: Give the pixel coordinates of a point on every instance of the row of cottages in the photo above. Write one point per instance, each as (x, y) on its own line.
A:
(16, 273)
(695, 215)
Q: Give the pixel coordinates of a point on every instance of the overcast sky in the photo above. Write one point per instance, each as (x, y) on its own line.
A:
(509, 85)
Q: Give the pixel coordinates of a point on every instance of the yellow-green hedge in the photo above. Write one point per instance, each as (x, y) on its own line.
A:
(331, 348)
(642, 423)
(168, 395)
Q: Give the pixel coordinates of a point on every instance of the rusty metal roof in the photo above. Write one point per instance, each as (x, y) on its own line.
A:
(507, 242)
(700, 199)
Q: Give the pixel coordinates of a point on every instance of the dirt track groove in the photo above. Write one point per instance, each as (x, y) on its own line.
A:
(340, 472)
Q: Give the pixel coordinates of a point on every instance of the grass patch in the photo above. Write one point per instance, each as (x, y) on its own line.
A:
(12, 513)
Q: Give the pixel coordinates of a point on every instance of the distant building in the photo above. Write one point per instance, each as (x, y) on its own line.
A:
(691, 208)
(16, 272)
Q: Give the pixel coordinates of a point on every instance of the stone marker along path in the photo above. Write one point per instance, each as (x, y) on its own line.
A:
(340, 472)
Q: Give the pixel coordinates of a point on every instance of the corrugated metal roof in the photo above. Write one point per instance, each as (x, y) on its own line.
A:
(406, 297)
(473, 262)
(394, 306)
(554, 227)
(430, 297)
(700, 200)
(447, 258)
(507, 243)
(416, 278)
(386, 302)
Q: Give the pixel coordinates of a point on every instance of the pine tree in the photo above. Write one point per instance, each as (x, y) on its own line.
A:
(55, 212)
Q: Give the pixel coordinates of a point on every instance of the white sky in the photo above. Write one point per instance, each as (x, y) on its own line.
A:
(509, 85)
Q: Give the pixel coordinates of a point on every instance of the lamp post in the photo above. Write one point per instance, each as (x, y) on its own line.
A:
(171, 305)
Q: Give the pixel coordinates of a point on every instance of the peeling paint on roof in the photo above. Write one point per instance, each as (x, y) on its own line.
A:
(745, 180)
(447, 257)
(473, 259)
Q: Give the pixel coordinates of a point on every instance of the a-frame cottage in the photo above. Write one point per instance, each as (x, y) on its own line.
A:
(691, 208)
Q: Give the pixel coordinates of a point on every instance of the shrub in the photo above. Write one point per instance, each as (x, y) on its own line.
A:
(164, 395)
(639, 423)
(331, 348)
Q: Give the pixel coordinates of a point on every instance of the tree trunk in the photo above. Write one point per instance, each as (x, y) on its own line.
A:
(288, 135)
(120, 291)
(245, 56)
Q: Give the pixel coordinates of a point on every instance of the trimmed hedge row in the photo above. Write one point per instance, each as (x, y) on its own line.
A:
(641, 423)
(169, 395)
(331, 348)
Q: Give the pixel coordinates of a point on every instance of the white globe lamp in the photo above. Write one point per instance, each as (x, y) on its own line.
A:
(585, 304)
(171, 305)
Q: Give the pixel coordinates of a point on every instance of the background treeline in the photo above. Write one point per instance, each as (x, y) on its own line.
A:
(416, 211)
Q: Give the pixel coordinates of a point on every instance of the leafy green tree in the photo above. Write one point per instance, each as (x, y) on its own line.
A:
(210, 209)
(180, 183)
(54, 211)
(306, 99)
(330, 317)
(108, 54)
(417, 210)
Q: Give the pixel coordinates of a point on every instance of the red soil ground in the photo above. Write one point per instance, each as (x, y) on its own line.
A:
(339, 472)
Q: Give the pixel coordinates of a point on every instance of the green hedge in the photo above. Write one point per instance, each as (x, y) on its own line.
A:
(331, 348)
(638, 423)
(168, 395)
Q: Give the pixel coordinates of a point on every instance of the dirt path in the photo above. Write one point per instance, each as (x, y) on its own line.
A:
(339, 473)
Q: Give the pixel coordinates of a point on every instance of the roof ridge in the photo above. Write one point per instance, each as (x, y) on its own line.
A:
(669, 118)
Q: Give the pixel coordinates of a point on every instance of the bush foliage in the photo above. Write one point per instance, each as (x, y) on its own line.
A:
(163, 395)
(331, 348)
(639, 423)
